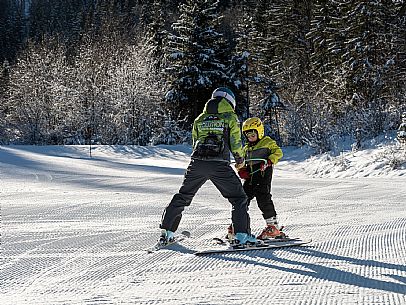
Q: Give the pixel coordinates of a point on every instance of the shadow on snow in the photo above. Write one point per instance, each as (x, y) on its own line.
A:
(317, 270)
(83, 180)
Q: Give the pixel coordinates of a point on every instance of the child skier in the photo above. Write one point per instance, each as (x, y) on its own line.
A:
(258, 173)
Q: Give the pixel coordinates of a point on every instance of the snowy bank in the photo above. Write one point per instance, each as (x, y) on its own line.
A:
(381, 156)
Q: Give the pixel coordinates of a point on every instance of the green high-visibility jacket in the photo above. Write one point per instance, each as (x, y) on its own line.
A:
(217, 120)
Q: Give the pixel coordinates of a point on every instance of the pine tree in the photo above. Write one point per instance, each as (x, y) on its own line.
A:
(13, 28)
(326, 58)
(262, 42)
(398, 48)
(241, 67)
(261, 52)
(290, 69)
(288, 24)
(325, 37)
(368, 59)
(156, 33)
(195, 57)
(4, 107)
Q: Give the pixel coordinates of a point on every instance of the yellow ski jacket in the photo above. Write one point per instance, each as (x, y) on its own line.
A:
(266, 148)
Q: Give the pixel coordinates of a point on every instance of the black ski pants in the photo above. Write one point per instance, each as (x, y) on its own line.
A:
(259, 187)
(225, 180)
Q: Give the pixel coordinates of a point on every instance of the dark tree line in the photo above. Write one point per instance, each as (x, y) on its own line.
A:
(139, 72)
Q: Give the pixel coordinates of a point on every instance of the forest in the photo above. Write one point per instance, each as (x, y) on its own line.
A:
(139, 72)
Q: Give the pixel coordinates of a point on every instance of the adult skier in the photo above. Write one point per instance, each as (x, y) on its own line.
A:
(215, 134)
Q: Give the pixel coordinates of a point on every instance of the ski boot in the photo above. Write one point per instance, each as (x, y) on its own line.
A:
(245, 239)
(166, 237)
(272, 231)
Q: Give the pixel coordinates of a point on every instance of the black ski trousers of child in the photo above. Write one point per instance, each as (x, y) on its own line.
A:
(225, 180)
(259, 186)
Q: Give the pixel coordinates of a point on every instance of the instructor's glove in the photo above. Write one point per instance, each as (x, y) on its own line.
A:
(239, 163)
(244, 173)
(264, 165)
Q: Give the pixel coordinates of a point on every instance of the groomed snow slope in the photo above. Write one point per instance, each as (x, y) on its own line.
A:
(73, 230)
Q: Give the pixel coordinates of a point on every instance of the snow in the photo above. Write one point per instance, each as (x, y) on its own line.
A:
(74, 229)
(381, 156)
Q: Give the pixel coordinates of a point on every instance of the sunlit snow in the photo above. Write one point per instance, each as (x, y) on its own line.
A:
(74, 230)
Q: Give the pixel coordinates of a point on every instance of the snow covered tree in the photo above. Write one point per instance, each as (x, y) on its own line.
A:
(263, 43)
(290, 69)
(368, 59)
(171, 131)
(326, 37)
(37, 92)
(135, 93)
(401, 132)
(195, 57)
(397, 76)
(262, 78)
(339, 66)
(106, 96)
(13, 28)
(239, 81)
(241, 67)
(289, 22)
(156, 33)
(4, 108)
(327, 42)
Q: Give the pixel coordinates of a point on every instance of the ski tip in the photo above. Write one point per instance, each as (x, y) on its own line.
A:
(186, 233)
(152, 249)
(218, 241)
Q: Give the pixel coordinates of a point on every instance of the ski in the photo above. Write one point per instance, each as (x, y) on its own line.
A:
(263, 246)
(159, 245)
(220, 241)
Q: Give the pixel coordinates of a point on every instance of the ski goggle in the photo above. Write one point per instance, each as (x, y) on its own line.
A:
(250, 134)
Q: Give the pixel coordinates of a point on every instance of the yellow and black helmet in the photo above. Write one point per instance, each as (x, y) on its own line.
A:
(254, 124)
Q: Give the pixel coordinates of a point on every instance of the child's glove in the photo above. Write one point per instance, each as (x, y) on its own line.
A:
(244, 173)
(239, 163)
(264, 165)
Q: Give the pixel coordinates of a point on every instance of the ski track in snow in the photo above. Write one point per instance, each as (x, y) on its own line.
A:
(74, 230)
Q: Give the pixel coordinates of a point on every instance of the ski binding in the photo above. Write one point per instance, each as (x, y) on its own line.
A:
(159, 245)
